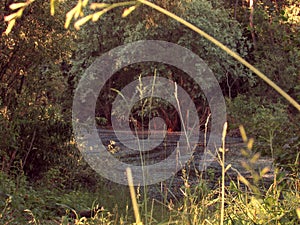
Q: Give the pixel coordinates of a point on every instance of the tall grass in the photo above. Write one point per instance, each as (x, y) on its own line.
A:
(245, 200)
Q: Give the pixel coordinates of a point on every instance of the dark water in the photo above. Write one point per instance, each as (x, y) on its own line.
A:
(167, 144)
(160, 151)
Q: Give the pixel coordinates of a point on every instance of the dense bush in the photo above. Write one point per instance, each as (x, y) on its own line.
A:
(276, 132)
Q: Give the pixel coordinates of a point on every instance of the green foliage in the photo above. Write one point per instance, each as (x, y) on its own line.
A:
(275, 132)
(212, 19)
(276, 52)
(146, 24)
(257, 205)
(34, 115)
(216, 21)
(50, 199)
(13, 199)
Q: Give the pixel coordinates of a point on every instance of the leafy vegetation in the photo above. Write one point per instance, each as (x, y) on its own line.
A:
(43, 177)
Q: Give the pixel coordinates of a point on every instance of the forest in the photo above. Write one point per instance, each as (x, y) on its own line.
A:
(47, 48)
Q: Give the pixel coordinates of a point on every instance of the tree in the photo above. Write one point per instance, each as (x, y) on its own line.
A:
(35, 117)
(148, 24)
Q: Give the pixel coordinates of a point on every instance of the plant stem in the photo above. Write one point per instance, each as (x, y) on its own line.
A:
(223, 174)
(133, 196)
